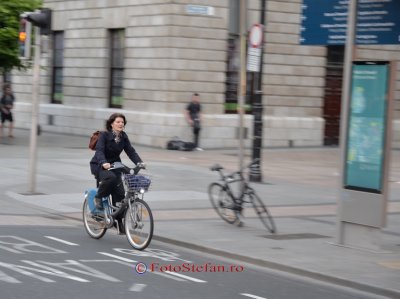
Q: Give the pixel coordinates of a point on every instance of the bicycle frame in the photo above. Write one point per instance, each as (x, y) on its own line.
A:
(229, 179)
(223, 199)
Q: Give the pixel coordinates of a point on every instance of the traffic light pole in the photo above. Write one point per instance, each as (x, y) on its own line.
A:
(242, 86)
(35, 113)
(255, 170)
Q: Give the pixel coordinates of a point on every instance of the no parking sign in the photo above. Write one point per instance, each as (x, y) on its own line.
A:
(256, 38)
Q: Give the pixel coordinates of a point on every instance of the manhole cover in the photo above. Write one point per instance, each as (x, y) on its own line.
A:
(294, 236)
(34, 193)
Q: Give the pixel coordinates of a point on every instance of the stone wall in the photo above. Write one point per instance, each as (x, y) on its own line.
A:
(169, 55)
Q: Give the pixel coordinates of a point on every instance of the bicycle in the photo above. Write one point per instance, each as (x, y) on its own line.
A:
(230, 207)
(137, 218)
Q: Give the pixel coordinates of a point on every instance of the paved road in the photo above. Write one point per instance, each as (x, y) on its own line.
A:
(59, 260)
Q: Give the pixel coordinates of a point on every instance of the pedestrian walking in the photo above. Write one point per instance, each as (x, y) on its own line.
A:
(6, 105)
(193, 117)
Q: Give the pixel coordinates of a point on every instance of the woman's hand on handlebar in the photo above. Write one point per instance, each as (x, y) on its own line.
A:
(138, 167)
(141, 165)
(106, 166)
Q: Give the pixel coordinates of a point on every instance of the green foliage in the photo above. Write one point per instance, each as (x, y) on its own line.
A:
(10, 11)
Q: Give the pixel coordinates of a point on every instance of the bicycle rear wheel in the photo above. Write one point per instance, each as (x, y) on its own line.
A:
(222, 203)
(262, 212)
(139, 224)
(94, 224)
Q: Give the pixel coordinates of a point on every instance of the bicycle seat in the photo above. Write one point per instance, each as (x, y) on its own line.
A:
(216, 167)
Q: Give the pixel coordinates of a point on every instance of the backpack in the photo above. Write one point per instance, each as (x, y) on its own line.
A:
(180, 145)
(93, 140)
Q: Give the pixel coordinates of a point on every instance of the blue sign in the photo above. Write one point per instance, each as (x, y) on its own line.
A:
(199, 10)
(325, 22)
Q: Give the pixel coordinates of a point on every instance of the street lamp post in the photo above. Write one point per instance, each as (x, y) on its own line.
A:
(255, 170)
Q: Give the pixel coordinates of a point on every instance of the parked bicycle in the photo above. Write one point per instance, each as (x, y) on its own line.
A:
(136, 214)
(230, 207)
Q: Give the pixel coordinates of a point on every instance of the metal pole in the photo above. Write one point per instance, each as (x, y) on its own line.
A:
(348, 62)
(255, 171)
(35, 112)
(242, 86)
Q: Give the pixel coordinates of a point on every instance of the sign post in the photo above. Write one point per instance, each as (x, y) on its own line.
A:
(366, 116)
(257, 41)
(366, 149)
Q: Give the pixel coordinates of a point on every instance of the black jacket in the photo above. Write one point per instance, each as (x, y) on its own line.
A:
(108, 151)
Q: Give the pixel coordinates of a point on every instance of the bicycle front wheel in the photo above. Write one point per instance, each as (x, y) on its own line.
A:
(222, 203)
(94, 223)
(262, 212)
(139, 224)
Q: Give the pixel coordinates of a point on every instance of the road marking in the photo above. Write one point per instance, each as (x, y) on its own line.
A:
(185, 276)
(8, 278)
(132, 262)
(51, 271)
(154, 253)
(61, 241)
(137, 287)
(252, 296)
(19, 245)
(118, 257)
(20, 270)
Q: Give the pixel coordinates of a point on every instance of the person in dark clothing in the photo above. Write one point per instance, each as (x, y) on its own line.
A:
(109, 146)
(193, 117)
(6, 104)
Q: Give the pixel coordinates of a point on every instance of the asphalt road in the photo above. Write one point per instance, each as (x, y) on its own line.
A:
(60, 260)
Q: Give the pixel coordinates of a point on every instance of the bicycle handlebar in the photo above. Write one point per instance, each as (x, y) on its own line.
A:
(126, 169)
(218, 167)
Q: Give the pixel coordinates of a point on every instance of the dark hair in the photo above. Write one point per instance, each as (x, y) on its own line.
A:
(112, 118)
(196, 94)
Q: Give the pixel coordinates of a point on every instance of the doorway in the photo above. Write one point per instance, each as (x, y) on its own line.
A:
(333, 94)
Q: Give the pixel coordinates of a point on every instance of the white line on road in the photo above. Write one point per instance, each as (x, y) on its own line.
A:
(118, 257)
(185, 276)
(252, 296)
(133, 262)
(137, 287)
(61, 241)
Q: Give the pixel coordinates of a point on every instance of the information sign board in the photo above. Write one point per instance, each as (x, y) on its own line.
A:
(378, 22)
(365, 144)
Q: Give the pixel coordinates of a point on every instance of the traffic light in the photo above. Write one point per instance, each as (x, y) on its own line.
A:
(42, 20)
(24, 39)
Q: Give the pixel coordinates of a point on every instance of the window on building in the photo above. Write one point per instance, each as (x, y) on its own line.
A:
(58, 64)
(117, 50)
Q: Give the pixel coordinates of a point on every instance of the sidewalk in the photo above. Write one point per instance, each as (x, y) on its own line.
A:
(299, 187)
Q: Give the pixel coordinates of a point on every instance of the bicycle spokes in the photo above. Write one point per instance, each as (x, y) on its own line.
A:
(139, 224)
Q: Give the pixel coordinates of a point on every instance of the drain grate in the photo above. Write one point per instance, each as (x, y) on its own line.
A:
(295, 236)
(53, 217)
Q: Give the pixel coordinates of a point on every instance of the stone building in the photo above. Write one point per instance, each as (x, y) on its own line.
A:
(146, 57)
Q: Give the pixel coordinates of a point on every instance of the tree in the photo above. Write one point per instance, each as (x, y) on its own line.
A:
(10, 11)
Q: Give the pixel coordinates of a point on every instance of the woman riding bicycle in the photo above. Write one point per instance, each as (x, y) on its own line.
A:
(108, 149)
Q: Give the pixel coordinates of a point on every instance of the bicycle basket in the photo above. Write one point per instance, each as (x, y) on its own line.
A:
(137, 182)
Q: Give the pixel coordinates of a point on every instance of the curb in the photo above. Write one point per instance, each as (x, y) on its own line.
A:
(284, 268)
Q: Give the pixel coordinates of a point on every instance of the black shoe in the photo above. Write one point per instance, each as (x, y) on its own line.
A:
(98, 202)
